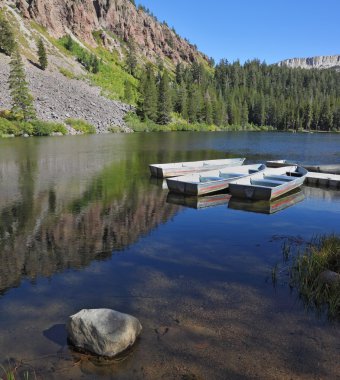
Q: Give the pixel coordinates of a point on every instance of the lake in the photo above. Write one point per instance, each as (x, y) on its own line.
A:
(82, 225)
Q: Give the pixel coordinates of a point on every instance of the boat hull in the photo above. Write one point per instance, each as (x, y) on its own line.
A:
(177, 169)
(211, 181)
(330, 168)
(196, 189)
(248, 190)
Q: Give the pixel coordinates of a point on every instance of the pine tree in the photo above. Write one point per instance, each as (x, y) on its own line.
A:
(244, 114)
(94, 64)
(181, 103)
(193, 105)
(69, 43)
(308, 115)
(219, 113)
(42, 54)
(164, 100)
(7, 40)
(22, 100)
(128, 92)
(179, 73)
(131, 59)
(147, 105)
(208, 110)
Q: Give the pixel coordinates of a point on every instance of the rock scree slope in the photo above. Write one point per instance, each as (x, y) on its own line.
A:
(58, 98)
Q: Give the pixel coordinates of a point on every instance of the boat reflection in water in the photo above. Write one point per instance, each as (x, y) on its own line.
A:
(198, 202)
(267, 207)
(159, 182)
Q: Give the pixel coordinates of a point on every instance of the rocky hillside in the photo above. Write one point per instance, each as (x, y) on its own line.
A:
(58, 98)
(101, 27)
(319, 62)
(115, 21)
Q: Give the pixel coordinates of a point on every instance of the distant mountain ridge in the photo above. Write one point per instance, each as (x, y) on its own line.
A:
(318, 62)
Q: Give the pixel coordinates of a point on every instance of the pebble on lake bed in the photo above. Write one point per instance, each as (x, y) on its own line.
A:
(104, 332)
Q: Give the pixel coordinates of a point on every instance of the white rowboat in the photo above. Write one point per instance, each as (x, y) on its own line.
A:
(269, 184)
(211, 181)
(181, 168)
(328, 168)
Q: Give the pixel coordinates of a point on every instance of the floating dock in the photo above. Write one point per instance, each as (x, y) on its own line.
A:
(323, 179)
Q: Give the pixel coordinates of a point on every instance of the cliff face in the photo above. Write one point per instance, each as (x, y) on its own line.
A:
(121, 17)
(319, 62)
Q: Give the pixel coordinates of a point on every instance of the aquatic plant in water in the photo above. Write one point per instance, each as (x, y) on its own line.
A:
(309, 274)
(315, 273)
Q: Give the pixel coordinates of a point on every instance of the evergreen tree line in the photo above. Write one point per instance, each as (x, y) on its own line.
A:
(234, 94)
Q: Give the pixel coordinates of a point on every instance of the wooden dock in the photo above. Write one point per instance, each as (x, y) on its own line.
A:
(323, 179)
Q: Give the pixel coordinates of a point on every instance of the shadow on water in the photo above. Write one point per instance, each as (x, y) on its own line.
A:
(57, 334)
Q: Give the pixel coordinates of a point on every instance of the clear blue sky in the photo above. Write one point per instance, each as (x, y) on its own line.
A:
(270, 30)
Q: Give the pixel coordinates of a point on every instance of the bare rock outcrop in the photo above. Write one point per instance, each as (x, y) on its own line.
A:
(319, 62)
(121, 17)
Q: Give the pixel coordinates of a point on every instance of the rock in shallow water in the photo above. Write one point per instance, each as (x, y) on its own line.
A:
(329, 277)
(104, 332)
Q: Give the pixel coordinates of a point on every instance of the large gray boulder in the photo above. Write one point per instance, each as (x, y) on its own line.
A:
(104, 332)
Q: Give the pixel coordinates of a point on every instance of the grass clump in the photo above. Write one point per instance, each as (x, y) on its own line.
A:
(46, 128)
(81, 126)
(67, 73)
(308, 274)
(14, 370)
(115, 129)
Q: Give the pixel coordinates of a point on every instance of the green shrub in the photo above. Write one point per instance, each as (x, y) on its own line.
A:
(7, 127)
(26, 128)
(45, 128)
(115, 129)
(133, 122)
(41, 128)
(81, 126)
(33, 128)
(67, 73)
(176, 124)
(6, 114)
(59, 128)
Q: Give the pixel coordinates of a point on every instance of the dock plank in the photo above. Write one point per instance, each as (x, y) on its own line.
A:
(323, 179)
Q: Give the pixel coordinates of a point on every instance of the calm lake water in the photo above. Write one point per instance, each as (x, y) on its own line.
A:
(82, 225)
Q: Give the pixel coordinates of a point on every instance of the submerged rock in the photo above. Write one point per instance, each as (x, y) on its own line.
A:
(329, 277)
(104, 332)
